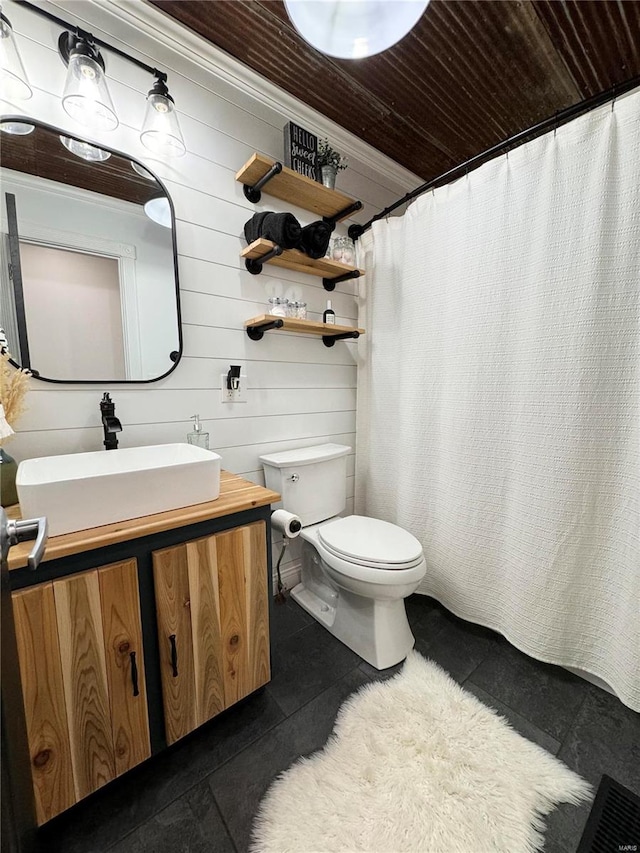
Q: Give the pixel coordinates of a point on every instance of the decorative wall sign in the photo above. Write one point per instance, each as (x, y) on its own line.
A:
(301, 151)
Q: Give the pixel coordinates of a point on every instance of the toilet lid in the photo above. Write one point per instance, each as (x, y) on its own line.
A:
(370, 542)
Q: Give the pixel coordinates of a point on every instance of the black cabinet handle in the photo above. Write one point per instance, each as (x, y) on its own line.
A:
(174, 655)
(134, 674)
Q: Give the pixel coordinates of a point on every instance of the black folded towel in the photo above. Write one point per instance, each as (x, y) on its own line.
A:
(314, 238)
(281, 228)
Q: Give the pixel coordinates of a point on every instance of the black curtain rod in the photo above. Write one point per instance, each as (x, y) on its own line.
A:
(561, 117)
(76, 29)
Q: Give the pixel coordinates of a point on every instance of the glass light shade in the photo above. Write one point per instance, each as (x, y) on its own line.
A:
(85, 151)
(14, 85)
(353, 29)
(86, 96)
(144, 173)
(159, 211)
(160, 131)
(17, 128)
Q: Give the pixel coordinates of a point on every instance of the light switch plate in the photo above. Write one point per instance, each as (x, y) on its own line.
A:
(238, 396)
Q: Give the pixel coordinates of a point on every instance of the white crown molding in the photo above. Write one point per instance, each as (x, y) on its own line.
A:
(174, 36)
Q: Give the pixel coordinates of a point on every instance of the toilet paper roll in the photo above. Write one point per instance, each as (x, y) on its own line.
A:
(286, 522)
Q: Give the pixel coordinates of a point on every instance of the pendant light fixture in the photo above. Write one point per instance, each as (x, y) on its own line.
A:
(354, 29)
(161, 132)
(14, 85)
(86, 96)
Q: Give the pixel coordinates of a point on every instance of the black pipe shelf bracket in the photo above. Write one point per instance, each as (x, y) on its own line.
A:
(256, 333)
(254, 265)
(347, 211)
(329, 340)
(330, 283)
(355, 231)
(253, 193)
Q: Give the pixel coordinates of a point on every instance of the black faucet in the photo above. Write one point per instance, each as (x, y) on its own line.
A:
(110, 422)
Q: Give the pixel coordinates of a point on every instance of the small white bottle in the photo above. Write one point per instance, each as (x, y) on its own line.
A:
(197, 436)
(329, 315)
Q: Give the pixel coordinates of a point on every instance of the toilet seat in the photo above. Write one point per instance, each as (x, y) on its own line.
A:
(370, 543)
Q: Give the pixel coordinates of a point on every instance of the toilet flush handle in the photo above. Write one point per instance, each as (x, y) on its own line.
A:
(294, 478)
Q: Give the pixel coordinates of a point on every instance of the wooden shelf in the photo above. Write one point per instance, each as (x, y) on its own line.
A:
(297, 189)
(291, 259)
(257, 326)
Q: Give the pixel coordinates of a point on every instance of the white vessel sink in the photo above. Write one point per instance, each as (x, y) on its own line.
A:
(82, 490)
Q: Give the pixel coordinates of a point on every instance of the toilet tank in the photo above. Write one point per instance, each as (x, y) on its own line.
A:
(311, 480)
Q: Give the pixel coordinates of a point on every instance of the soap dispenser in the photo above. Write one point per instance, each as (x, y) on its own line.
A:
(197, 436)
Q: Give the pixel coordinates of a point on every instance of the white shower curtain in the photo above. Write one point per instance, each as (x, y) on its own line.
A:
(499, 392)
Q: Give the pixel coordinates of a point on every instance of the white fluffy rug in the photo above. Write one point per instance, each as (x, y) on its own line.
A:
(416, 764)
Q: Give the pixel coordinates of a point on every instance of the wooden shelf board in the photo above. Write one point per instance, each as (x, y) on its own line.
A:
(307, 327)
(292, 259)
(295, 188)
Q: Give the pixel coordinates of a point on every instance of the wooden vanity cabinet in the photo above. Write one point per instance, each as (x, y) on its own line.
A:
(132, 635)
(213, 624)
(81, 662)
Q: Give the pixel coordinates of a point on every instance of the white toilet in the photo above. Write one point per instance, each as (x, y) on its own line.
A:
(356, 571)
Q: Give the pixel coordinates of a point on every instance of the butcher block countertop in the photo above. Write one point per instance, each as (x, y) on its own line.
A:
(236, 495)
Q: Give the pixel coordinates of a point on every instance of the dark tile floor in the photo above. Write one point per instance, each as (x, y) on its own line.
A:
(201, 795)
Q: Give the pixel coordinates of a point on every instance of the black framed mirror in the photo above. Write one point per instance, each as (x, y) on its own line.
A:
(89, 275)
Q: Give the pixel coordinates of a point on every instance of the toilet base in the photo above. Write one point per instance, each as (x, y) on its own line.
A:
(376, 630)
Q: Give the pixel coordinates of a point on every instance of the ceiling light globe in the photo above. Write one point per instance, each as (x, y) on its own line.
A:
(354, 29)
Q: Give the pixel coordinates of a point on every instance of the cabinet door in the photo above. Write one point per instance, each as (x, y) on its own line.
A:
(85, 726)
(122, 628)
(44, 701)
(211, 597)
(171, 581)
(84, 677)
(244, 609)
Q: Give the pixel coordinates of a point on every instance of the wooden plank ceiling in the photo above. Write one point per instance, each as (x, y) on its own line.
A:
(41, 153)
(467, 76)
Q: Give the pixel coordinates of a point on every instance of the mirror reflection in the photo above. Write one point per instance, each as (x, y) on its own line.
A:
(88, 280)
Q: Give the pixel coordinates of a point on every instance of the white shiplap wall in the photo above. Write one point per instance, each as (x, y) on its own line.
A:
(299, 392)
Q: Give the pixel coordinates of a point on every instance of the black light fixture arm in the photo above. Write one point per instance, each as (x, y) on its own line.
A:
(91, 39)
(527, 135)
